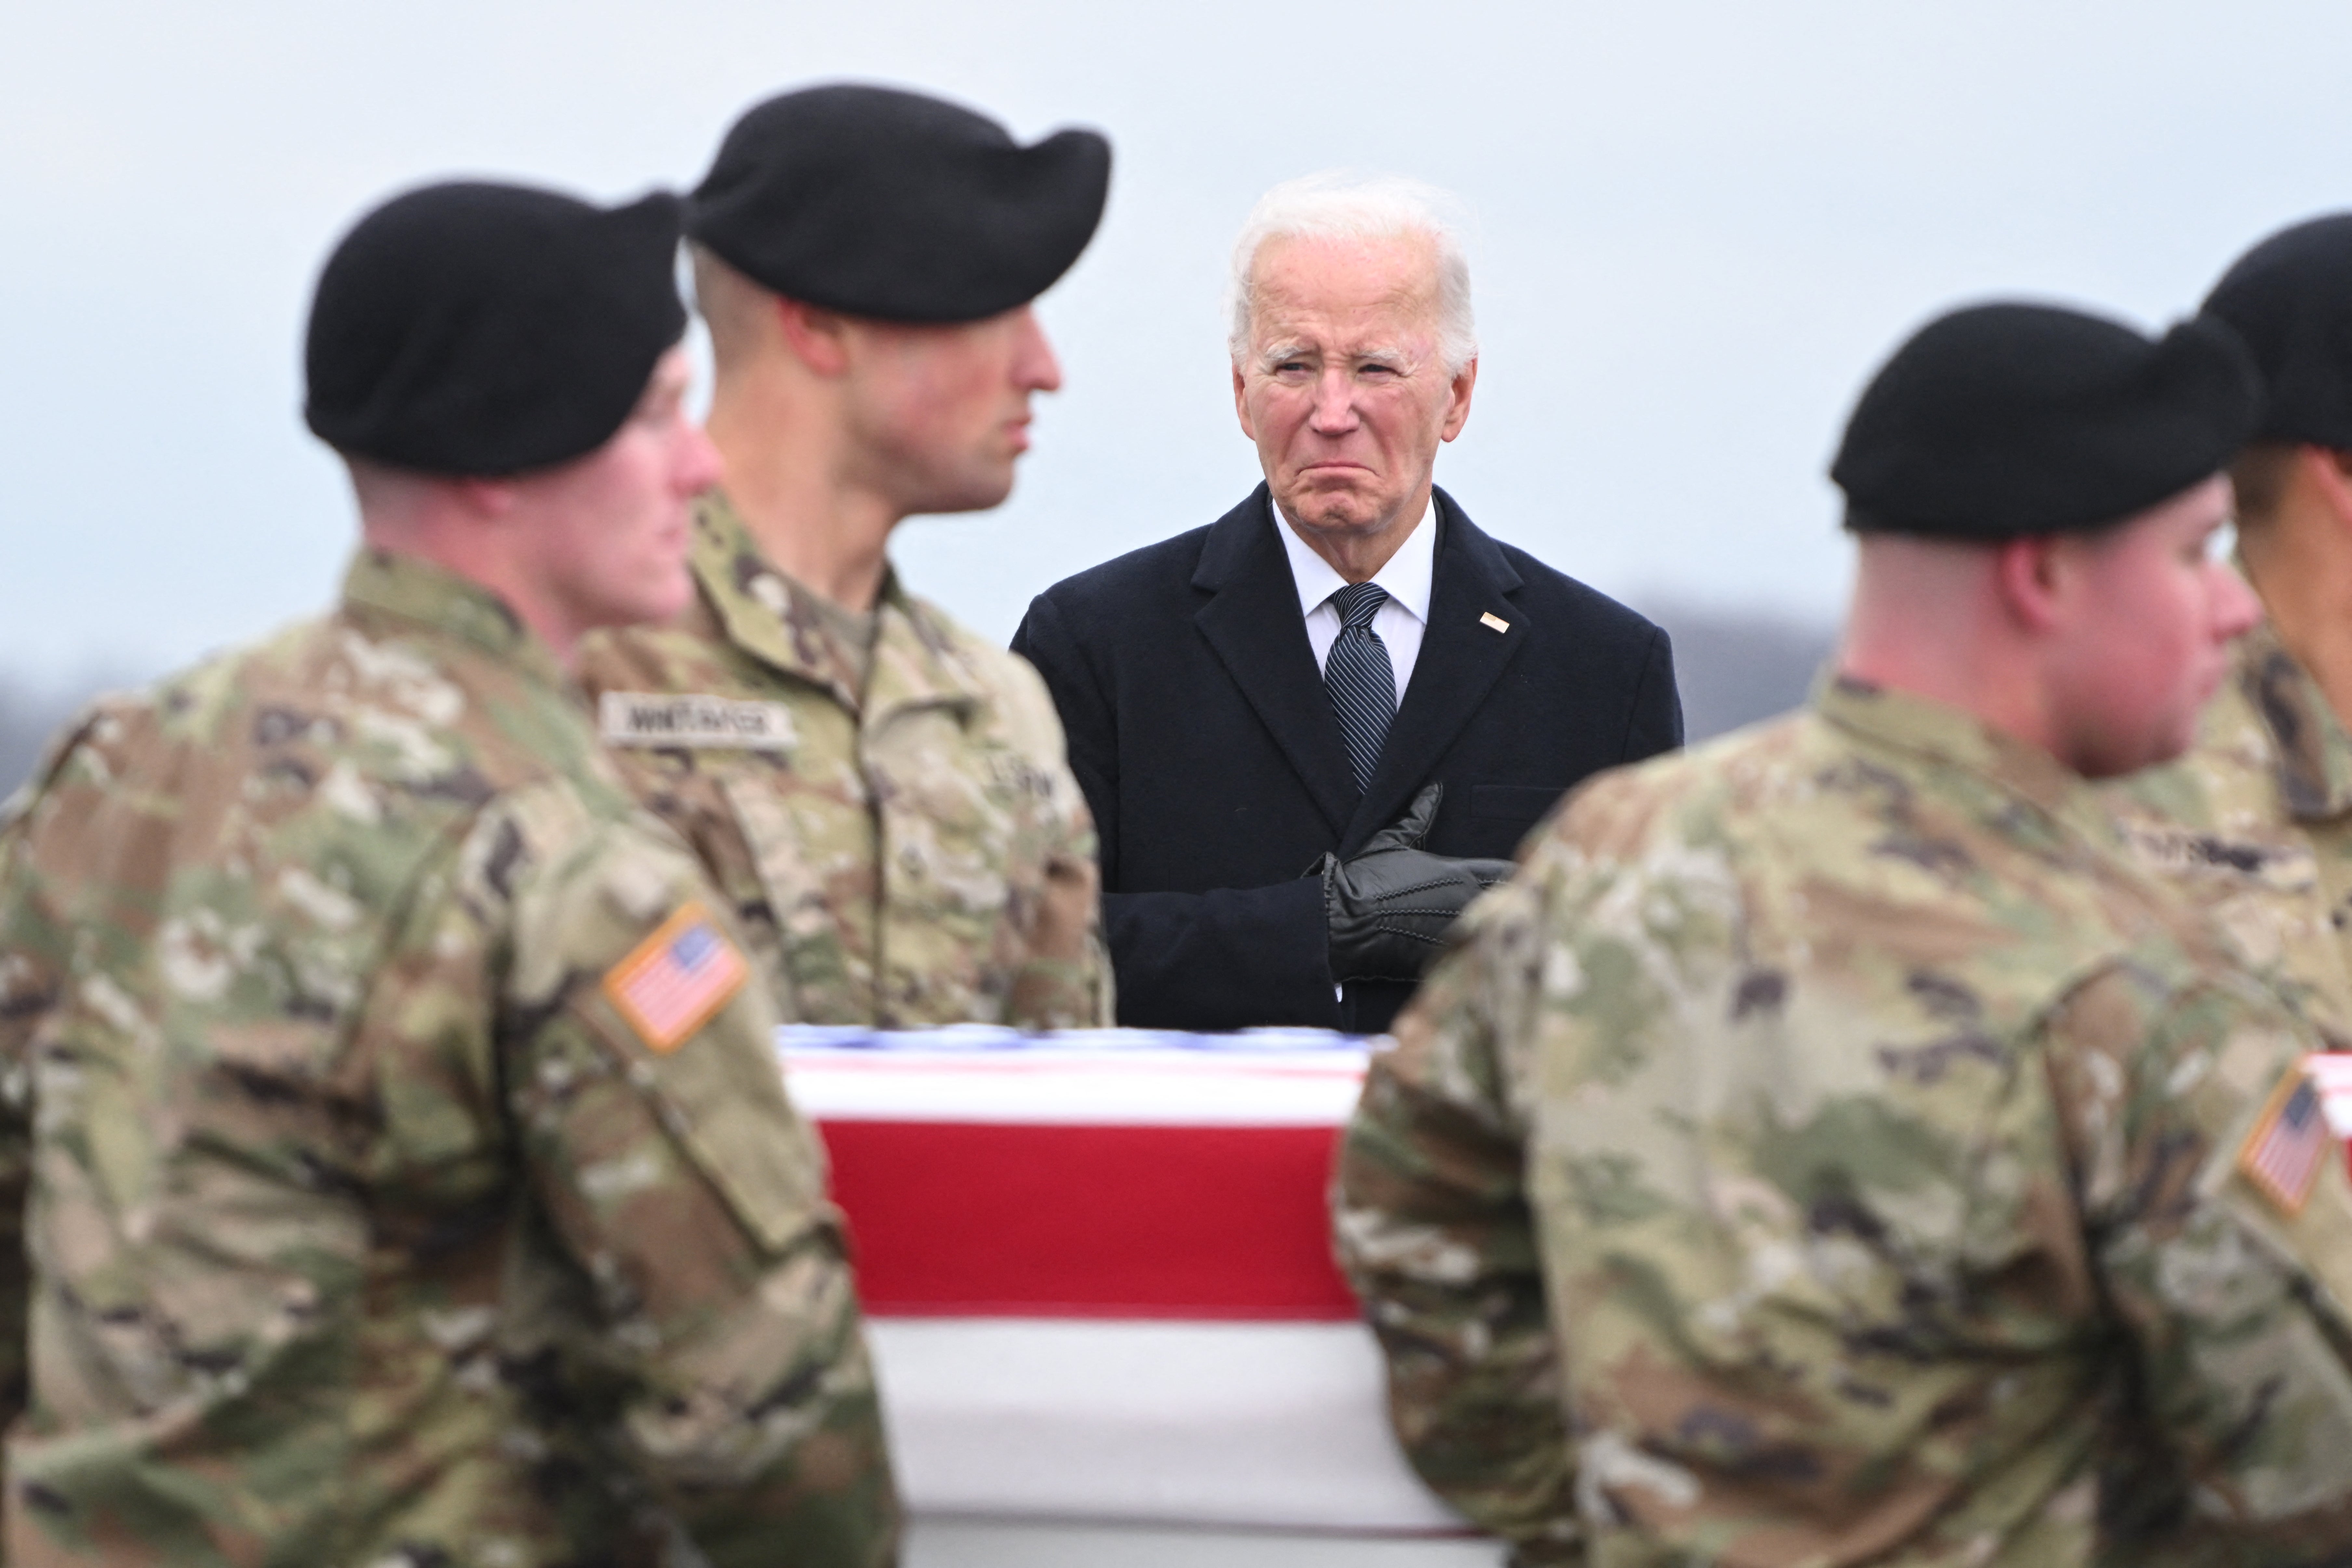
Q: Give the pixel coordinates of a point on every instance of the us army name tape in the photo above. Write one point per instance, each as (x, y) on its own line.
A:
(660, 718)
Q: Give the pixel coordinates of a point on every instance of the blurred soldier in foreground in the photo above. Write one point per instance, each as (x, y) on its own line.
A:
(882, 795)
(1833, 1147)
(2256, 820)
(411, 1180)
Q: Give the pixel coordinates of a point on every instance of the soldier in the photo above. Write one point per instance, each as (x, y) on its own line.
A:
(2256, 821)
(881, 795)
(1833, 1147)
(410, 1177)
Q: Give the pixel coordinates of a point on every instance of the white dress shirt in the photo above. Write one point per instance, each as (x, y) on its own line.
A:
(1399, 623)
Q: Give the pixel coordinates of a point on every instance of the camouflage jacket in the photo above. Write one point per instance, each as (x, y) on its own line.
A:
(912, 854)
(2256, 823)
(1831, 1149)
(411, 1182)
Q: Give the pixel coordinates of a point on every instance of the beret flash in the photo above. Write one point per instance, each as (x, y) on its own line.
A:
(892, 204)
(2289, 300)
(480, 329)
(2002, 420)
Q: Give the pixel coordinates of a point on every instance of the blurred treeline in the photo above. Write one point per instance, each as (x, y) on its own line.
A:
(1735, 669)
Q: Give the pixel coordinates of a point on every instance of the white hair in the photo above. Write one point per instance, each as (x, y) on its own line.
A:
(1343, 205)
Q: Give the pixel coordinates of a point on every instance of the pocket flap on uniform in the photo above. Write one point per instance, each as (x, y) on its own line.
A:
(720, 1095)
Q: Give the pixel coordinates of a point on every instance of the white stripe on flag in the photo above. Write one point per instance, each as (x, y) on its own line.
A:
(1238, 1425)
(1140, 1088)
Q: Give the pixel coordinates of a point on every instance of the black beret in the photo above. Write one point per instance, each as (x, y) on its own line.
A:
(2290, 300)
(879, 203)
(481, 329)
(2002, 420)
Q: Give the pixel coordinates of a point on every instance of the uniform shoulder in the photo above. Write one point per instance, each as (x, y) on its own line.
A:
(1012, 685)
(100, 723)
(374, 722)
(551, 837)
(1716, 790)
(942, 630)
(1843, 857)
(689, 656)
(166, 734)
(201, 704)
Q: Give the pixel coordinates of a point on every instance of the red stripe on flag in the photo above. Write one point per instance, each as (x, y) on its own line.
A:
(994, 1220)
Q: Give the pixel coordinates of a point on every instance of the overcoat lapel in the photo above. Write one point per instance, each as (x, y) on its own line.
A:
(1460, 658)
(1253, 624)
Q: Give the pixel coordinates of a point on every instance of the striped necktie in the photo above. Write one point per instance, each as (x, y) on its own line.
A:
(1359, 678)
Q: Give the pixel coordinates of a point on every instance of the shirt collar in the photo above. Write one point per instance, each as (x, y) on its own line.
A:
(1945, 736)
(772, 616)
(2313, 753)
(413, 589)
(1405, 579)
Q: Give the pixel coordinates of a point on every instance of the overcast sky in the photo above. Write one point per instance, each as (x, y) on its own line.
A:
(1698, 226)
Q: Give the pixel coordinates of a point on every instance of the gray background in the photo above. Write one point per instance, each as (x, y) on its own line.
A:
(1697, 227)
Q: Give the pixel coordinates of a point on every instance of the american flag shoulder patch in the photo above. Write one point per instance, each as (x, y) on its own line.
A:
(2282, 1155)
(672, 981)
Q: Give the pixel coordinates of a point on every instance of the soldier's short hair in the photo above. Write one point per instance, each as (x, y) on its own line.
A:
(2259, 475)
(729, 303)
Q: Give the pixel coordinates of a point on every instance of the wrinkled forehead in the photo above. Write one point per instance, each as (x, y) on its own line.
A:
(1344, 291)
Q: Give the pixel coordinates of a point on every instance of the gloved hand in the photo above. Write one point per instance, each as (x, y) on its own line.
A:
(1390, 905)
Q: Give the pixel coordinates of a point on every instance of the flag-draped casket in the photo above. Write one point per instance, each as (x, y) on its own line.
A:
(1099, 1277)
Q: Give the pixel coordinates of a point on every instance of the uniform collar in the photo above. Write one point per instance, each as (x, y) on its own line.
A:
(774, 618)
(2310, 750)
(430, 596)
(1405, 577)
(1940, 734)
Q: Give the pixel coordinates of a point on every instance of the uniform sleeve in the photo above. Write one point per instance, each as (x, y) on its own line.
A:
(698, 1313)
(31, 965)
(33, 957)
(2218, 1220)
(1064, 978)
(1432, 1227)
(1089, 724)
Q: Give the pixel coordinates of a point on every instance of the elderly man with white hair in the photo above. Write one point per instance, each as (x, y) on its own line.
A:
(1311, 731)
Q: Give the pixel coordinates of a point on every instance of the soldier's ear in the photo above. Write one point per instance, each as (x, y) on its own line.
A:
(2030, 578)
(817, 337)
(2329, 472)
(487, 498)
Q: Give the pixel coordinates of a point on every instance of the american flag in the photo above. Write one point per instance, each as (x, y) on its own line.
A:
(1097, 1269)
(676, 978)
(2282, 1155)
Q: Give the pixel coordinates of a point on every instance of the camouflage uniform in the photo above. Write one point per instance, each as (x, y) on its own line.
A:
(1831, 1149)
(2256, 823)
(365, 1226)
(904, 850)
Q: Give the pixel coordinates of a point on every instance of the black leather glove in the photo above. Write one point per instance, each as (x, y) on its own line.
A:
(1389, 908)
